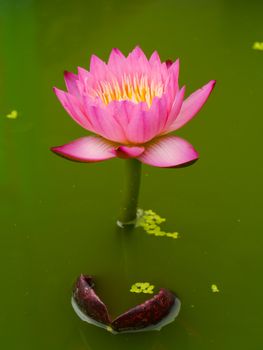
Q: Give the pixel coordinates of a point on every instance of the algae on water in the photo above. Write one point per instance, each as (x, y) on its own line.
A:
(150, 222)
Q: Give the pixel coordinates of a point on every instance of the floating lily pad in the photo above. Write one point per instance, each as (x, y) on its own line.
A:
(153, 314)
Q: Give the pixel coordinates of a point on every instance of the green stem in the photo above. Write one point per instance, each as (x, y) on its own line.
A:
(131, 192)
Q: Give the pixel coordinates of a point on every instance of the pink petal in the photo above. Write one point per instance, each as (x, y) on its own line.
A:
(137, 62)
(87, 149)
(137, 54)
(116, 63)
(146, 123)
(155, 59)
(192, 105)
(97, 66)
(176, 107)
(157, 117)
(74, 108)
(99, 70)
(169, 151)
(86, 81)
(103, 121)
(84, 75)
(139, 123)
(129, 152)
(171, 84)
(121, 111)
(158, 69)
(116, 57)
(136, 128)
(71, 83)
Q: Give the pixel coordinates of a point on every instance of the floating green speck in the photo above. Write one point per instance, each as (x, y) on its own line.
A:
(142, 287)
(12, 115)
(150, 222)
(214, 288)
(258, 46)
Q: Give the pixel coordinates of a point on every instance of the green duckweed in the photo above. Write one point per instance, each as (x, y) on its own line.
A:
(150, 222)
(258, 46)
(142, 287)
(214, 288)
(12, 115)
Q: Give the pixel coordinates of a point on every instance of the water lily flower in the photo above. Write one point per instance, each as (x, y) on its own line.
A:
(153, 314)
(131, 104)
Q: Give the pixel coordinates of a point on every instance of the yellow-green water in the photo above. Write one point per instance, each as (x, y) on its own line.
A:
(58, 218)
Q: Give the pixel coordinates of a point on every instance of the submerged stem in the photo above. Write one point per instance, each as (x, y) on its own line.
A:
(131, 192)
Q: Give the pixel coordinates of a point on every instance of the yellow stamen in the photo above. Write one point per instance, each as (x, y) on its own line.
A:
(133, 88)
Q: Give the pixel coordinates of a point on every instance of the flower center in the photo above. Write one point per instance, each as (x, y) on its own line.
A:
(130, 87)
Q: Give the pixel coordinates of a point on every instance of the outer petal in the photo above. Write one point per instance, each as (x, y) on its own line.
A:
(129, 152)
(74, 108)
(86, 81)
(169, 151)
(176, 107)
(71, 83)
(192, 105)
(157, 117)
(87, 149)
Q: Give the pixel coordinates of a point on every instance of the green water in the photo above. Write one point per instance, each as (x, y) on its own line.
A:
(58, 217)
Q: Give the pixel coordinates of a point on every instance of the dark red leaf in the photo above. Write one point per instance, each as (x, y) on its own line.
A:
(88, 301)
(147, 314)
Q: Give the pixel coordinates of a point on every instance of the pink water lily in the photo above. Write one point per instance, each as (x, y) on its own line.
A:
(130, 104)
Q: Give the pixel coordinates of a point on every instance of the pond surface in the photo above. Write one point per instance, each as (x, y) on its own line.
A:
(58, 218)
